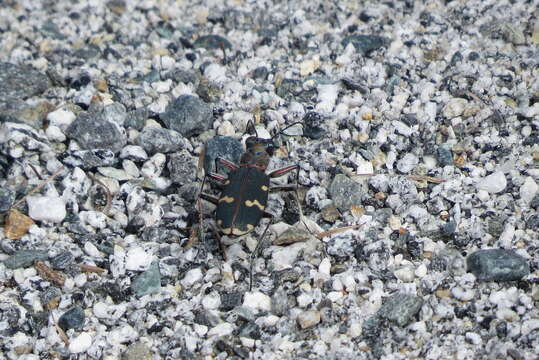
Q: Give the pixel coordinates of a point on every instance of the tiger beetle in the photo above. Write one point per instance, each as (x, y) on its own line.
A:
(244, 196)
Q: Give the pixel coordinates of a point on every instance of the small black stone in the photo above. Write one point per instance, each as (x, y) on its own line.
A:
(212, 42)
(260, 72)
(72, 319)
(472, 56)
(365, 44)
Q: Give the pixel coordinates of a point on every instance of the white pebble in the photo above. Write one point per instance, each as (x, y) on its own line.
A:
(191, 277)
(483, 195)
(528, 190)
(153, 167)
(101, 310)
(462, 294)
(130, 168)
(46, 208)
(528, 326)
(421, 271)
(257, 301)
(327, 96)
(91, 249)
(473, 338)
(308, 319)
(61, 118)
(162, 86)
(454, 107)
(80, 280)
(405, 274)
(226, 129)
(402, 128)
(407, 163)
(493, 184)
(137, 259)
(334, 296)
(201, 330)
(133, 152)
(223, 329)
(324, 268)
(304, 300)
(211, 301)
(54, 133)
(81, 343)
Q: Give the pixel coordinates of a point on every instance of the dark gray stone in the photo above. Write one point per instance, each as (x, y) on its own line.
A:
(497, 265)
(7, 198)
(72, 319)
(24, 258)
(188, 115)
(88, 159)
(365, 44)
(346, 192)
(400, 308)
(225, 147)
(444, 156)
(148, 282)
(92, 131)
(182, 167)
(21, 82)
(212, 42)
(62, 260)
(136, 119)
(313, 125)
(159, 140)
(532, 222)
(49, 294)
(230, 299)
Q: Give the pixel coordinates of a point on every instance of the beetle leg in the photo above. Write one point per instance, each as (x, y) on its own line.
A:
(283, 188)
(225, 162)
(283, 171)
(217, 177)
(209, 198)
(256, 250)
(218, 236)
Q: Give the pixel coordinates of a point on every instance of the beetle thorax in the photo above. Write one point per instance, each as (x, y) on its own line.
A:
(256, 156)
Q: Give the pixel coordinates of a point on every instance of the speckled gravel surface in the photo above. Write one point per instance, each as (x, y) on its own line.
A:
(419, 167)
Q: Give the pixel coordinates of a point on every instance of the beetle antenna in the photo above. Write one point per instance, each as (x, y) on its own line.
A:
(250, 125)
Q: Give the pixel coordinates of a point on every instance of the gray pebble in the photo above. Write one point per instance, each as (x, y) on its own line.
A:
(497, 265)
(225, 147)
(148, 282)
(400, 308)
(89, 159)
(188, 115)
(346, 192)
(159, 140)
(181, 167)
(7, 198)
(92, 131)
(21, 82)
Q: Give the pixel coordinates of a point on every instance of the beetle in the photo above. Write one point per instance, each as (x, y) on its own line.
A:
(244, 197)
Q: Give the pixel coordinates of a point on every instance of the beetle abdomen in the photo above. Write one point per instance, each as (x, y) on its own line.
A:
(242, 201)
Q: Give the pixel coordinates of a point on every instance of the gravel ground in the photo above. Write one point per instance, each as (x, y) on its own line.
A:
(417, 142)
